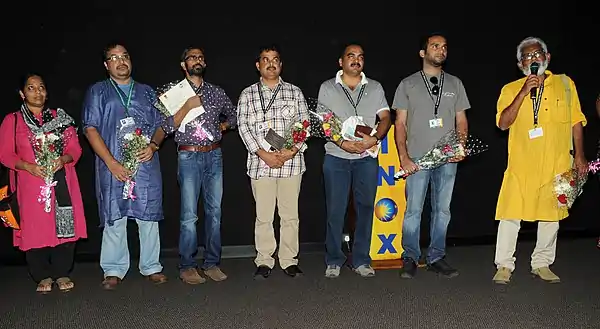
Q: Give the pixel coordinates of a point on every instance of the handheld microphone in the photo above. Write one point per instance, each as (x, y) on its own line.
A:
(535, 66)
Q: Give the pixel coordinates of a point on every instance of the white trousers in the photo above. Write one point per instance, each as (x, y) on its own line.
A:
(506, 244)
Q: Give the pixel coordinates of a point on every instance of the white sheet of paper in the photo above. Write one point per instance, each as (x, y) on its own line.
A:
(175, 97)
(265, 145)
(374, 151)
(192, 114)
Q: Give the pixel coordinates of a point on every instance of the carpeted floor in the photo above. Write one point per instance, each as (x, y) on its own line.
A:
(470, 300)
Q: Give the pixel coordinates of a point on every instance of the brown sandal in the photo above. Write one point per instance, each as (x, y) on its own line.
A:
(65, 284)
(157, 278)
(110, 282)
(44, 286)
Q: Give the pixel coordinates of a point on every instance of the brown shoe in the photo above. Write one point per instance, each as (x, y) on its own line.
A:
(157, 278)
(111, 282)
(215, 274)
(545, 274)
(502, 276)
(191, 276)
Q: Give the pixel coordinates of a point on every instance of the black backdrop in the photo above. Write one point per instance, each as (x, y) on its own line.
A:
(65, 44)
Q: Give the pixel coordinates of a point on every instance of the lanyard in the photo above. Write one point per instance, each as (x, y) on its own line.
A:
(360, 95)
(197, 90)
(120, 93)
(436, 105)
(537, 102)
(262, 98)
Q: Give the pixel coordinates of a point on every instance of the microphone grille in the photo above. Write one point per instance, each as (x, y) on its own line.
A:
(535, 66)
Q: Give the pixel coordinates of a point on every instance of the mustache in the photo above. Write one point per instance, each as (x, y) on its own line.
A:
(122, 66)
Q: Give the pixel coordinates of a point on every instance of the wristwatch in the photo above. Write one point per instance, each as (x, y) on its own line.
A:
(155, 144)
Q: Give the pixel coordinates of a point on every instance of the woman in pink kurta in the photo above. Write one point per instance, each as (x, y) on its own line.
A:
(48, 232)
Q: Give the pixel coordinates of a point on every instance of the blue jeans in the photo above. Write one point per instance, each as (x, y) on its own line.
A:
(442, 186)
(114, 253)
(339, 175)
(200, 172)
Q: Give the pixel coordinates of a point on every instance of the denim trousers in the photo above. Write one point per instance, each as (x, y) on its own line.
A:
(339, 176)
(442, 186)
(200, 174)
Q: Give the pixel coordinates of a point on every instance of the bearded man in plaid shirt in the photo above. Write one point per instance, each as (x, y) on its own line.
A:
(275, 176)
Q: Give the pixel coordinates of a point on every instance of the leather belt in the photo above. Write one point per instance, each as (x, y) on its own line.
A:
(198, 148)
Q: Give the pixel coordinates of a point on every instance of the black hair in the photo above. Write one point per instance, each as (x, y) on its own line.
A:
(425, 39)
(346, 45)
(186, 50)
(269, 47)
(110, 47)
(24, 78)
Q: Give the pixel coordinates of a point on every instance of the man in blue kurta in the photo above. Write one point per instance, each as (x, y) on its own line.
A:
(112, 109)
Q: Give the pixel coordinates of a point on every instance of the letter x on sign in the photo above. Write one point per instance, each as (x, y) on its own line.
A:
(386, 244)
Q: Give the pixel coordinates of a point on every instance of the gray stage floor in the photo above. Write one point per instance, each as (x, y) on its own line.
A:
(470, 300)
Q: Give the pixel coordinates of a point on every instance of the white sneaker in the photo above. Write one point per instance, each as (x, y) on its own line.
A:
(366, 271)
(332, 271)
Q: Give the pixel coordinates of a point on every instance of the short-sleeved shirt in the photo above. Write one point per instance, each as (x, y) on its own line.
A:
(413, 95)
(369, 98)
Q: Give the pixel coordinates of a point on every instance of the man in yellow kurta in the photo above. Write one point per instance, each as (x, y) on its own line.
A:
(540, 141)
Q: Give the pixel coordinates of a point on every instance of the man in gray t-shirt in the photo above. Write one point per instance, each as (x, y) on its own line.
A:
(347, 166)
(428, 105)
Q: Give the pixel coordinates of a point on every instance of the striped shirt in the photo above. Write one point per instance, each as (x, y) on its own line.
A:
(280, 107)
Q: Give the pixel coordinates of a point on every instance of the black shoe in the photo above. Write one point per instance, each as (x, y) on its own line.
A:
(293, 271)
(442, 268)
(409, 269)
(262, 272)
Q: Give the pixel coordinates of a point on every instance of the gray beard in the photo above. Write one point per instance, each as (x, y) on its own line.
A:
(543, 66)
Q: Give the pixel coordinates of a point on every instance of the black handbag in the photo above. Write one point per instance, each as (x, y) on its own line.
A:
(9, 207)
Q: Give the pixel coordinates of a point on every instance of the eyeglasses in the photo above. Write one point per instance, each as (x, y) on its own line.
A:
(114, 58)
(534, 55)
(195, 58)
(436, 89)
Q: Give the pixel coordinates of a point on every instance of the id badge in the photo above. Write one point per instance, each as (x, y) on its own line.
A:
(436, 123)
(262, 126)
(536, 133)
(127, 122)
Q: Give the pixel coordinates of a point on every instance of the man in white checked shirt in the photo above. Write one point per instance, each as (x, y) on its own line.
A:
(276, 176)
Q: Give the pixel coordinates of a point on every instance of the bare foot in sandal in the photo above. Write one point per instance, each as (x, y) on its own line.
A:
(65, 284)
(45, 286)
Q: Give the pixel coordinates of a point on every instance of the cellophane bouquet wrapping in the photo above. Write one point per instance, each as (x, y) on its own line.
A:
(568, 186)
(133, 142)
(323, 122)
(450, 146)
(297, 134)
(47, 147)
(159, 91)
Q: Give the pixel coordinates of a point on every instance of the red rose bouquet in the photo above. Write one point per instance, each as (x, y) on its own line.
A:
(297, 134)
